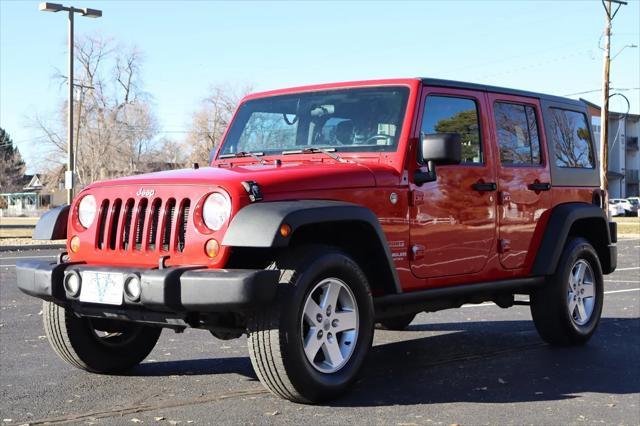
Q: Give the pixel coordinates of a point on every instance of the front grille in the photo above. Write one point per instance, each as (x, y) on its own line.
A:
(142, 225)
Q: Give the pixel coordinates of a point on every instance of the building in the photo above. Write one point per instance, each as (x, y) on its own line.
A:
(31, 200)
(624, 151)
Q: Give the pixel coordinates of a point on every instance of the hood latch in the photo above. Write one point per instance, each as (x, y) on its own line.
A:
(253, 189)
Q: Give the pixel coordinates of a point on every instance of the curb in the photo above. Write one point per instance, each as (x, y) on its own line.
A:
(26, 247)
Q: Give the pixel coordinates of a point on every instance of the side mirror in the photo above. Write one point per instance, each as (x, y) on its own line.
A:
(437, 148)
(441, 148)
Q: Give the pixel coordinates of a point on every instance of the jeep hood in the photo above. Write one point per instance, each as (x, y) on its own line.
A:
(288, 177)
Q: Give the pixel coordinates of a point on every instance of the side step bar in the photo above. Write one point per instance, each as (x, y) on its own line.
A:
(454, 296)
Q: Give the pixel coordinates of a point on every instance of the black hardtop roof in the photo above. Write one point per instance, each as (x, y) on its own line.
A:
(495, 89)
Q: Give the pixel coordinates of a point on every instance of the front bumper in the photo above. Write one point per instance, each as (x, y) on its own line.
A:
(175, 289)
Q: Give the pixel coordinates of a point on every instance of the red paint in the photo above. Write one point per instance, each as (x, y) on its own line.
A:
(461, 235)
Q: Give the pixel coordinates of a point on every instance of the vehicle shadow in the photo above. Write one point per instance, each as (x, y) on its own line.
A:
(484, 361)
(195, 367)
(497, 362)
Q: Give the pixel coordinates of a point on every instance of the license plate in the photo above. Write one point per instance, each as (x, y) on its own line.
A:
(102, 287)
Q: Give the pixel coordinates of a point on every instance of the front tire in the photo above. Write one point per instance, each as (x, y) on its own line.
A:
(310, 345)
(567, 310)
(97, 345)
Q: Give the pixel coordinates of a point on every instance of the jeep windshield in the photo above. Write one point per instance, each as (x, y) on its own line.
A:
(349, 120)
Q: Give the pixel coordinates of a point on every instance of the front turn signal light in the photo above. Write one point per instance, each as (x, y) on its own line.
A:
(75, 244)
(285, 230)
(212, 248)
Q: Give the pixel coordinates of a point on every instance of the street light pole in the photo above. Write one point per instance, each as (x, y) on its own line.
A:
(604, 113)
(69, 175)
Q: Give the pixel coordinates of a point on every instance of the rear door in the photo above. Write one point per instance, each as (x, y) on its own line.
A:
(453, 219)
(524, 180)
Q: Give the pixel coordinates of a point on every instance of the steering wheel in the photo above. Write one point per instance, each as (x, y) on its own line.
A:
(375, 138)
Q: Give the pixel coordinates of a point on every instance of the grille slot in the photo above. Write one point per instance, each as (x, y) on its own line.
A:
(182, 225)
(104, 210)
(153, 231)
(168, 221)
(142, 212)
(115, 218)
(128, 217)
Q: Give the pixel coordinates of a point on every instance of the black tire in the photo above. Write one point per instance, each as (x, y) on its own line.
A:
(555, 319)
(77, 340)
(398, 323)
(276, 333)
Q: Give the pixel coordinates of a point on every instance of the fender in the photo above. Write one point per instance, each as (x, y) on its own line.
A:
(53, 224)
(258, 224)
(563, 217)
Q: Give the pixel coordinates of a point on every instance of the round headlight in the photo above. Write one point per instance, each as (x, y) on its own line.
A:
(87, 210)
(216, 211)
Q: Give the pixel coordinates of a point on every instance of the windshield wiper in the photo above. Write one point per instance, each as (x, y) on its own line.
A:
(254, 155)
(327, 151)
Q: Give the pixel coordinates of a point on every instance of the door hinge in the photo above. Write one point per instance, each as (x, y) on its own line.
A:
(416, 198)
(504, 245)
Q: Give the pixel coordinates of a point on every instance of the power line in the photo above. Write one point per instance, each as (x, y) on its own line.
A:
(625, 89)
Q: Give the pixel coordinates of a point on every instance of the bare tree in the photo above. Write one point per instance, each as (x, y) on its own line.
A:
(210, 121)
(115, 125)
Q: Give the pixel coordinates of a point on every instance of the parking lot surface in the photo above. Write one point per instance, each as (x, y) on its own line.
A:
(476, 365)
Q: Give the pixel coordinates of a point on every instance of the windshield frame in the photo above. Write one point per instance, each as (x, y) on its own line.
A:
(401, 131)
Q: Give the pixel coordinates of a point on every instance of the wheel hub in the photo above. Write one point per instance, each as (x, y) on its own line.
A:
(329, 325)
(581, 296)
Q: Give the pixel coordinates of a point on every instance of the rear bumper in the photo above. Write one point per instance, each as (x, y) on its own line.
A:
(177, 289)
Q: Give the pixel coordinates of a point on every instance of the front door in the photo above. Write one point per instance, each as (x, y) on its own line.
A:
(453, 219)
(524, 180)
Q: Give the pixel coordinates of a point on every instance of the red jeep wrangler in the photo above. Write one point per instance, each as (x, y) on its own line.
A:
(330, 208)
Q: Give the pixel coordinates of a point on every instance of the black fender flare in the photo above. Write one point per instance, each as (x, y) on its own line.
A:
(53, 224)
(258, 225)
(556, 233)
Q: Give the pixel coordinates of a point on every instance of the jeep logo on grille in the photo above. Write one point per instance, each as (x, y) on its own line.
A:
(145, 192)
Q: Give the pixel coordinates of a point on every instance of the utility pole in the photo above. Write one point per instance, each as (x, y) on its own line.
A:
(89, 13)
(69, 174)
(604, 113)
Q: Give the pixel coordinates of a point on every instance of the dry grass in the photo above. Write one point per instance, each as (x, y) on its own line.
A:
(18, 220)
(628, 227)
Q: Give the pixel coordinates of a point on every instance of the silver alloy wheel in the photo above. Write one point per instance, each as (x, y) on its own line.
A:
(329, 325)
(581, 297)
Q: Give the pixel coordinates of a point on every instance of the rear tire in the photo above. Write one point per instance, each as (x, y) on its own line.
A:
(566, 311)
(97, 345)
(311, 343)
(398, 323)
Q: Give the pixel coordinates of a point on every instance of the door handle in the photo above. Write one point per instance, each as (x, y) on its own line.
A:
(484, 186)
(540, 186)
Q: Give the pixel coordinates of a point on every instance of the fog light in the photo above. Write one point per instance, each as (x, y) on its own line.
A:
(75, 244)
(132, 288)
(285, 230)
(72, 284)
(211, 248)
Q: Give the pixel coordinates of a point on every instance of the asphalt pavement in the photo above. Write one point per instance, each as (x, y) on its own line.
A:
(476, 365)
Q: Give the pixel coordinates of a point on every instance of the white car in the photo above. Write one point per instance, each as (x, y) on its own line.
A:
(615, 209)
(629, 208)
(636, 202)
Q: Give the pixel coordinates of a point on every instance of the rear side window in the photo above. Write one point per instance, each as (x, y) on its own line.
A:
(444, 114)
(517, 128)
(571, 139)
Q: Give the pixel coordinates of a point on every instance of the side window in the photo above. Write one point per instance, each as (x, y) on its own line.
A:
(517, 129)
(444, 114)
(571, 139)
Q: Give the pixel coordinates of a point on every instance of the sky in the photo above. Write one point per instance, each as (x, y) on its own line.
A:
(544, 46)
